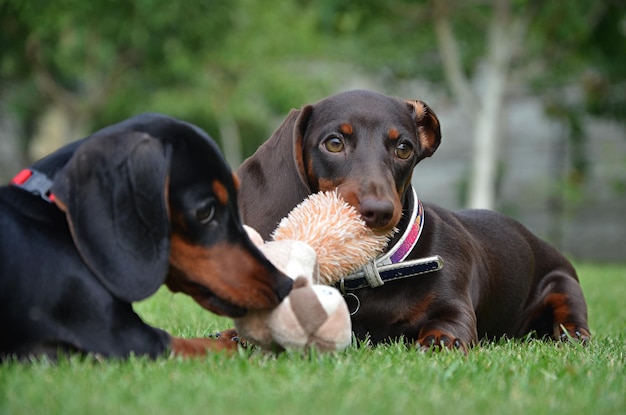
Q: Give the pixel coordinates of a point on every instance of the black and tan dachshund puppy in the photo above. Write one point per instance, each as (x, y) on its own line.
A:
(497, 278)
(104, 222)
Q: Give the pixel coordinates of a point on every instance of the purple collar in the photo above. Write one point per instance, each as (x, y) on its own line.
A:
(398, 252)
(392, 265)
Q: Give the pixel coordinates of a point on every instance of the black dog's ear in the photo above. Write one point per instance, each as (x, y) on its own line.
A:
(427, 127)
(113, 191)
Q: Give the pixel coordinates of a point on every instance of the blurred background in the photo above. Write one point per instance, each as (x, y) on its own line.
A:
(531, 94)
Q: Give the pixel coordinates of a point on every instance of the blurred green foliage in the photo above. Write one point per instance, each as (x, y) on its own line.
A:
(250, 61)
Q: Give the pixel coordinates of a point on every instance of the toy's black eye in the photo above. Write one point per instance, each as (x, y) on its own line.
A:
(403, 151)
(334, 144)
(206, 213)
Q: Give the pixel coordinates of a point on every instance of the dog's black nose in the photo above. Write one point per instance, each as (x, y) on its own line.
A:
(376, 212)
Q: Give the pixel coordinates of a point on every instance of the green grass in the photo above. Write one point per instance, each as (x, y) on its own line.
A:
(510, 377)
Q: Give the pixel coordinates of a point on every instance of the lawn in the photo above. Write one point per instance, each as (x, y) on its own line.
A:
(511, 377)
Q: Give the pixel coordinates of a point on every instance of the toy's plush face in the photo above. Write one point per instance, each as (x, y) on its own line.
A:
(270, 329)
(318, 317)
(311, 316)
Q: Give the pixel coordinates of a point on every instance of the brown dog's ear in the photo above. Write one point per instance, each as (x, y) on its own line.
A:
(427, 126)
(299, 130)
(113, 193)
(273, 179)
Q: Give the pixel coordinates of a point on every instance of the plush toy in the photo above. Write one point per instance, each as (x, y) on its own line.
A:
(320, 241)
(335, 231)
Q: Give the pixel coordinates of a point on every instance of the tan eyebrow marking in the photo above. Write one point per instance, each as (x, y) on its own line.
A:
(346, 129)
(220, 192)
(393, 133)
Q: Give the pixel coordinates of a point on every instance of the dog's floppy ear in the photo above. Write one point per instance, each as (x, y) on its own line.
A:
(113, 191)
(427, 127)
(299, 129)
(273, 179)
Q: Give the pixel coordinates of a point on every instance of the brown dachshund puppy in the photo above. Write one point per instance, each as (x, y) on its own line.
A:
(497, 278)
(108, 219)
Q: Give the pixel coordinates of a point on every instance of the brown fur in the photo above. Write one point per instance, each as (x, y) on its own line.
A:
(193, 269)
(498, 279)
(220, 192)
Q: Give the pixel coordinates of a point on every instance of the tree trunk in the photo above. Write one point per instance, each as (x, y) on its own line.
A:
(57, 126)
(451, 57)
(484, 111)
(502, 41)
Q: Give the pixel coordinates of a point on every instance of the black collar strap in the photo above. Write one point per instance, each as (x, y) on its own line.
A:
(392, 265)
(34, 182)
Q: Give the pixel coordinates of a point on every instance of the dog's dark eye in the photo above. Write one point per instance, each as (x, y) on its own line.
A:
(206, 213)
(404, 151)
(334, 144)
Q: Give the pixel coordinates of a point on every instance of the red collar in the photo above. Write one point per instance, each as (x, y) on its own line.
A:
(34, 182)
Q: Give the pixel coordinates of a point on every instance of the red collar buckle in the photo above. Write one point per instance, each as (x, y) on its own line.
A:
(34, 182)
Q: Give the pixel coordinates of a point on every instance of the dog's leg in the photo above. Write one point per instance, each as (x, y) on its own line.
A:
(569, 319)
(560, 310)
(452, 328)
(226, 341)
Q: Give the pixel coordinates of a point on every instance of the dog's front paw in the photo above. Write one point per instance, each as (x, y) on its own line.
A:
(437, 340)
(572, 332)
(231, 336)
(201, 346)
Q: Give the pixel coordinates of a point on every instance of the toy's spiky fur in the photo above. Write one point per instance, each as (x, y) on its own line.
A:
(334, 229)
